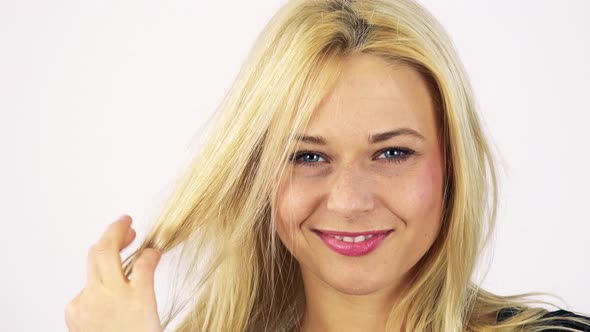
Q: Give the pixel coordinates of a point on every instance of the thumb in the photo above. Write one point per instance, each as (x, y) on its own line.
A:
(144, 269)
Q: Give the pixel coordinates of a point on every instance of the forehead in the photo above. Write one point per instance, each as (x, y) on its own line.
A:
(373, 94)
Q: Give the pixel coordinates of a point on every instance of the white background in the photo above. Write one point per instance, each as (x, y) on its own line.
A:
(100, 102)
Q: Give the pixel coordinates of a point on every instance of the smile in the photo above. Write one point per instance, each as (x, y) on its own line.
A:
(353, 246)
(355, 239)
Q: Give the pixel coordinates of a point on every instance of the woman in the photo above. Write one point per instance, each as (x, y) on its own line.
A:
(351, 135)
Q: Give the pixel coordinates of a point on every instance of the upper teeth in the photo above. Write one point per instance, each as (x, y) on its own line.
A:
(356, 239)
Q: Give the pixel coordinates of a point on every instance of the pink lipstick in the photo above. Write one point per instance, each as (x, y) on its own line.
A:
(353, 244)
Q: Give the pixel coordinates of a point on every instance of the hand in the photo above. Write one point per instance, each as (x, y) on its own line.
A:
(110, 301)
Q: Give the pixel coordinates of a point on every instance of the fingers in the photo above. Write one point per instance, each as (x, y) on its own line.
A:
(144, 269)
(104, 260)
(69, 312)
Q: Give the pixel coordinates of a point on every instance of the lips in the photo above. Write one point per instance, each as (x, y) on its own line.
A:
(353, 234)
(361, 248)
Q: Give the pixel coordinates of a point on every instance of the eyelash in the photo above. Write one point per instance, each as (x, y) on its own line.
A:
(407, 153)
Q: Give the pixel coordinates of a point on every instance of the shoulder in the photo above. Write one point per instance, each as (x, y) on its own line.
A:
(557, 319)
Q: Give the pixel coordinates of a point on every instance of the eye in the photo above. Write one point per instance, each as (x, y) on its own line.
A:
(312, 159)
(295, 158)
(398, 155)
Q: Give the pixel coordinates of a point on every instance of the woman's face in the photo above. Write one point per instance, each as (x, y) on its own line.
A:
(354, 181)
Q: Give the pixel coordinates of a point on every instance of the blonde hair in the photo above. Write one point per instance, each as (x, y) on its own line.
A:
(220, 215)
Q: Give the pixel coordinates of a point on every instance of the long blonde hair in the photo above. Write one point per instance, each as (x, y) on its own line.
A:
(219, 215)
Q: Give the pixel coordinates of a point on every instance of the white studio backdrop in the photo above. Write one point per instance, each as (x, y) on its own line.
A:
(100, 102)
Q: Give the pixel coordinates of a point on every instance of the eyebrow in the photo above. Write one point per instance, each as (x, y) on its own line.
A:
(375, 138)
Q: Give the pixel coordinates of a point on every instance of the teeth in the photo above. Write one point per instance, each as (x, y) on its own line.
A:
(357, 239)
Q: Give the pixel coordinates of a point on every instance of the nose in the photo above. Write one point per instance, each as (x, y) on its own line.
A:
(351, 193)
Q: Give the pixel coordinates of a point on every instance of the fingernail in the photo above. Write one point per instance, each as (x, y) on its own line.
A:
(158, 254)
(123, 217)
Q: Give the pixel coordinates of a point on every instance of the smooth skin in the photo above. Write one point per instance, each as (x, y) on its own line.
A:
(110, 301)
(353, 185)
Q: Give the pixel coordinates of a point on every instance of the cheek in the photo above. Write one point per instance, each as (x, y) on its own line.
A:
(430, 187)
(427, 199)
(419, 204)
(293, 204)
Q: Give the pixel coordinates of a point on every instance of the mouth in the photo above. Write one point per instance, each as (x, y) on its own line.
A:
(352, 234)
(353, 244)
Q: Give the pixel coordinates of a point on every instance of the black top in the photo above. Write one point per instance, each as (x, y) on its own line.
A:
(509, 312)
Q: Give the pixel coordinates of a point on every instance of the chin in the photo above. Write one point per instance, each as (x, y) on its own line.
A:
(358, 291)
(355, 286)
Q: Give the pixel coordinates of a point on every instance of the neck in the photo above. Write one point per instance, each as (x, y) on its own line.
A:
(330, 310)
